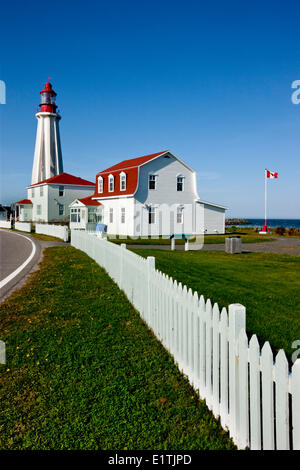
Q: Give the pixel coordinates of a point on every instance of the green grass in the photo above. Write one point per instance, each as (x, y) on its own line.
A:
(84, 372)
(40, 236)
(248, 236)
(267, 284)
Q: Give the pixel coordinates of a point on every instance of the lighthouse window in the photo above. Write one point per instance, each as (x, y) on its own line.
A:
(38, 209)
(45, 98)
(32, 192)
(41, 190)
(61, 190)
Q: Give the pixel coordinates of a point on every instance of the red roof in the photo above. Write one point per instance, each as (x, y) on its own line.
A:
(88, 201)
(65, 178)
(130, 168)
(24, 201)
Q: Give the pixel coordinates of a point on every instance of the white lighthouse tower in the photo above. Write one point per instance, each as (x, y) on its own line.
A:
(47, 156)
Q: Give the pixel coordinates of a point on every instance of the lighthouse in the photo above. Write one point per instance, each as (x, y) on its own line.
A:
(47, 155)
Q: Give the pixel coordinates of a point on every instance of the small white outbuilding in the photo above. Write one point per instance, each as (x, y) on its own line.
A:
(85, 213)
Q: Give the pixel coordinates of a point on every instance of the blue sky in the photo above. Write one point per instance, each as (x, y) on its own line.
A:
(211, 81)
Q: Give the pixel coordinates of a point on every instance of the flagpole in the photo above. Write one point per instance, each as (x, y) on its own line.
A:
(265, 227)
(265, 199)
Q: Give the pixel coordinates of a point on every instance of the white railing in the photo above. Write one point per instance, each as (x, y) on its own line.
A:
(23, 226)
(5, 224)
(241, 383)
(58, 231)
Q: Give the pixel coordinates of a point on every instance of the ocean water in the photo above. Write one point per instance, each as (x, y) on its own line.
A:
(287, 223)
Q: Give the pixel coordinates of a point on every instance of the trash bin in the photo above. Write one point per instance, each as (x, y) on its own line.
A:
(101, 229)
(233, 245)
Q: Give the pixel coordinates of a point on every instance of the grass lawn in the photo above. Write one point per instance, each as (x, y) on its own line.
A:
(39, 236)
(84, 372)
(267, 284)
(248, 236)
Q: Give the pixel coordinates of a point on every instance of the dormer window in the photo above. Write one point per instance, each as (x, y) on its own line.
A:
(123, 181)
(100, 184)
(111, 183)
(180, 180)
(152, 181)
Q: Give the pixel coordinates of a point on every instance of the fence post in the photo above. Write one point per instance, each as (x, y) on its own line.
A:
(66, 234)
(123, 247)
(237, 322)
(2, 352)
(150, 273)
(295, 386)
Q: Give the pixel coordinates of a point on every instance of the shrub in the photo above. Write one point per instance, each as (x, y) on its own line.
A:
(292, 231)
(280, 230)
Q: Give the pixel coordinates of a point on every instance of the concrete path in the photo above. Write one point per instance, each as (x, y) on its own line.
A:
(20, 254)
(280, 245)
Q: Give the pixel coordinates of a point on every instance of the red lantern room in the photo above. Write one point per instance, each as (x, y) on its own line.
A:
(48, 99)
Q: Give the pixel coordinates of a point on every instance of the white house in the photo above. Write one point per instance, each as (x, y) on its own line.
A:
(49, 200)
(85, 213)
(155, 195)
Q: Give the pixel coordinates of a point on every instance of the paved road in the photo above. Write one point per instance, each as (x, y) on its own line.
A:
(19, 255)
(14, 251)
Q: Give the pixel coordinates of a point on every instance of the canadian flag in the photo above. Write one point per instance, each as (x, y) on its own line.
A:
(271, 174)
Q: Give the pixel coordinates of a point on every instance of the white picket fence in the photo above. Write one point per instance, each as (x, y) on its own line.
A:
(58, 231)
(23, 226)
(5, 224)
(256, 398)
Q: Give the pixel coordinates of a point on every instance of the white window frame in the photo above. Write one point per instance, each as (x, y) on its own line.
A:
(180, 182)
(154, 179)
(75, 215)
(179, 213)
(151, 215)
(32, 192)
(123, 179)
(59, 209)
(123, 215)
(41, 191)
(38, 209)
(100, 184)
(111, 183)
(111, 215)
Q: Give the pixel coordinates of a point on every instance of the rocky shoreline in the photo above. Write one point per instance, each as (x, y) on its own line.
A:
(237, 222)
